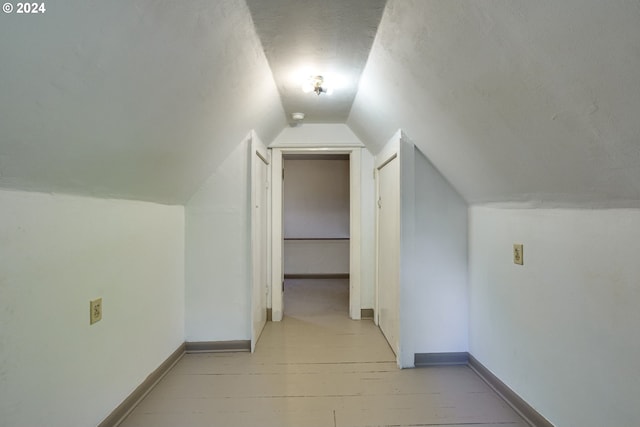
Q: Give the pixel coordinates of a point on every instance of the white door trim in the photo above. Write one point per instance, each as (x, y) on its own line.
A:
(355, 237)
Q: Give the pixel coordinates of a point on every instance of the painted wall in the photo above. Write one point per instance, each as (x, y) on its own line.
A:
(316, 199)
(56, 254)
(434, 312)
(562, 329)
(511, 100)
(316, 257)
(433, 300)
(159, 94)
(316, 205)
(313, 135)
(218, 269)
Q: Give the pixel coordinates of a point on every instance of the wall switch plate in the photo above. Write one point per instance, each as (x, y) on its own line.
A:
(95, 311)
(518, 255)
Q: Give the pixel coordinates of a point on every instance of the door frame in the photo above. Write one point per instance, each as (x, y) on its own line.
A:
(277, 270)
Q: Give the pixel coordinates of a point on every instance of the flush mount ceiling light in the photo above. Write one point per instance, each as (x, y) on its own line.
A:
(317, 85)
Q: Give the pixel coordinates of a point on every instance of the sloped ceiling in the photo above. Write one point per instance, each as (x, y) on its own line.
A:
(331, 38)
(131, 99)
(513, 100)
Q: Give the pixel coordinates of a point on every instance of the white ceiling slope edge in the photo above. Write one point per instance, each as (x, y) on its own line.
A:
(302, 38)
(135, 100)
(513, 100)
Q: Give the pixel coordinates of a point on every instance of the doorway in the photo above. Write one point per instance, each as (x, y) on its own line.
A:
(279, 156)
(316, 234)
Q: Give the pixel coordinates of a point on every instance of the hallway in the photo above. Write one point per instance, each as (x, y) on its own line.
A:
(318, 368)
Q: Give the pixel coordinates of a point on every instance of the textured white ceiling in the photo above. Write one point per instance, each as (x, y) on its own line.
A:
(330, 38)
(136, 99)
(513, 100)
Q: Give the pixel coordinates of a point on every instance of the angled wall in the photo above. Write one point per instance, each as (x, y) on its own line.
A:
(218, 269)
(138, 101)
(530, 104)
(438, 294)
(511, 100)
(433, 310)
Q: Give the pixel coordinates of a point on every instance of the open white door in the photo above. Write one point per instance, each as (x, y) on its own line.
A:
(259, 237)
(388, 249)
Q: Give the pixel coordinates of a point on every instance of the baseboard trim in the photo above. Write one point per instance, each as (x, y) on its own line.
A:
(422, 360)
(518, 404)
(366, 313)
(218, 346)
(317, 276)
(117, 416)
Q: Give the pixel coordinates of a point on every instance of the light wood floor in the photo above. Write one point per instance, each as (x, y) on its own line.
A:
(318, 368)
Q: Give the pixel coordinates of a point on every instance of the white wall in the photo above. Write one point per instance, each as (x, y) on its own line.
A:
(218, 253)
(561, 330)
(433, 307)
(314, 135)
(177, 88)
(434, 311)
(316, 257)
(57, 253)
(316, 198)
(511, 100)
(316, 205)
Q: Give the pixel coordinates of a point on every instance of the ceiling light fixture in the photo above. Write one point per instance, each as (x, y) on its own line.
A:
(317, 85)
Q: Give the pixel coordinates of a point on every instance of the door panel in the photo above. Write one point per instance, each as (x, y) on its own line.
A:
(389, 251)
(259, 238)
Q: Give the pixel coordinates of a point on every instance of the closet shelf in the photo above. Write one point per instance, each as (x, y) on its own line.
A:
(316, 238)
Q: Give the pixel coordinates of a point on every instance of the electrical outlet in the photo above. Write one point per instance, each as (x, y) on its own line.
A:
(518, 255)
(95, 311)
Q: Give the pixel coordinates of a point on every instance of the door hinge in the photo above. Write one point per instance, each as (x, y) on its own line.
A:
(283, 174)
(379, 202)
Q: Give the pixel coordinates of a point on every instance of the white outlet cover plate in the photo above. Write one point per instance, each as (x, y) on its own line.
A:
(518, 254)
(95, 311)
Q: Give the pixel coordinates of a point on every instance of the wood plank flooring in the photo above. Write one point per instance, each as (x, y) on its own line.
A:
(318, 368)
